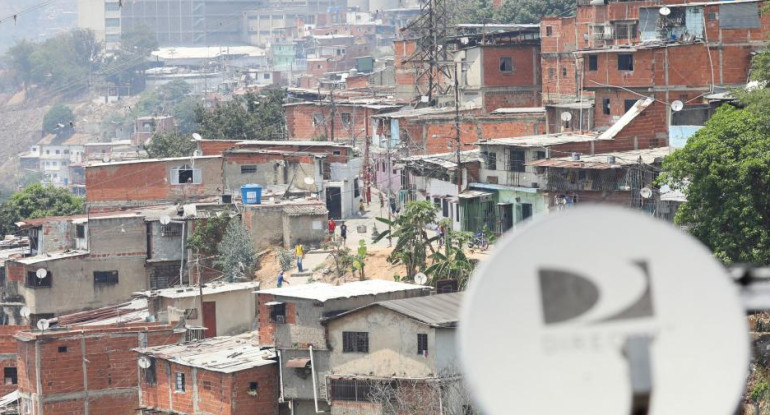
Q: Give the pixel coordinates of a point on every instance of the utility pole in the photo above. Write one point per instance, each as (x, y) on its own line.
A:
(331, 97)
(458, 171)
(200, 284)
(390, 187)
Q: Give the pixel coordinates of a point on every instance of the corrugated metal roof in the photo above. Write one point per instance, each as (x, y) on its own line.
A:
(629, 116)
(322, 292)
(301, 210)
(542, 140)
(194, 291)
(522, 110)
(227, 354)
(600, 161)
(441, 310)
(49, 257)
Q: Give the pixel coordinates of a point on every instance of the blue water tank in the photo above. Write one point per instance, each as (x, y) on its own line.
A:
(251, 194)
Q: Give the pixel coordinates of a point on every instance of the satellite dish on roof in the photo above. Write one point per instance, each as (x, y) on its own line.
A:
(677, 105)
(645, 193)
(41, 273)
(144, 362)
(43, 324)
(309, 180)
(664, 11)
(608, 328)
(566, 116)
(165, 220)
(197, 136)
(24, 312)
(420, 278)
(197, 153)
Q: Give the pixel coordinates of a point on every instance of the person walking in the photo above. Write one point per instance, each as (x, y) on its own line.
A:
(332, 226)
(299, 251)
(344, 233)
(281, 279)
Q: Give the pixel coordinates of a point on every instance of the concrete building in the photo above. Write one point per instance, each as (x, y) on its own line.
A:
(403, 347)
(290, 318)
(227, 308)
(53, 155)
(146, 127)
(84, 371)
(286, 223)
(352, 120)
(223, 375)
(434, 178)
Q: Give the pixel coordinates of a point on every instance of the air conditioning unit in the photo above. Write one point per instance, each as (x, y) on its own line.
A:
(194, 334)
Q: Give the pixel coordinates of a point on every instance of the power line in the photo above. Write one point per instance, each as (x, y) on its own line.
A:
(16, 15)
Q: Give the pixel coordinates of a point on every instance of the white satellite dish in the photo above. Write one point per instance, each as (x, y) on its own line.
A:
(272, 200)
(43, 324)
(566, 116)
(41, 273)
(309, 180)
(144, 362)
(165, 220)
(605, 327)
(664, 11)
(645, 193)
(424, 98)
(677, 106)
(197, 153)
(197, 136)
(420, 278)
(24, 312)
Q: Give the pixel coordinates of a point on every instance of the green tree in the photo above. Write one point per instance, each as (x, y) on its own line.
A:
(37, 201)
(19, 59)
(247, 117)
(170, 145)
(532, 11)
(125, 67)
(57, 119)
(174, 91)
(237, 258)
(184, 113)
(726, 166)
(206, 237)
(413, 242)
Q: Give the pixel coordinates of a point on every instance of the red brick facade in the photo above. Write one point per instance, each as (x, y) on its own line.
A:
(94, 368)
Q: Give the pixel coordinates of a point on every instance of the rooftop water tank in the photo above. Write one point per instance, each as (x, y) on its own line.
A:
(251, 194)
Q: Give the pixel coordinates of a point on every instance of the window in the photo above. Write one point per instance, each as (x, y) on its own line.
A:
(457, 213)
(539, 155)
(248, 169)
(253, 387)
(278, 313)
(445, 208)
(564, 72)
(548, 31)
(593, 62)
(606, 106)
(179, 384)
(422, 344)
(62, 349)
(266, 76)
(351, 390)
(207, 385)
(318, 119)
(355, 342)
(9, 374)
(112, 22)
(34, 282)
(172, 229)
(57, 151)
(105, 277)
(80, 231)
(185, 175)
(346, 119)
(356, 188)
(492, 161)
(517, 161)
(625, 62)
(111, 7)
(551, 73)
(625, 30)
(506, 64)
(628, 104)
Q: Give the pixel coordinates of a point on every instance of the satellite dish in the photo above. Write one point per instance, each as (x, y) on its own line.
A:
(144, 362)
(106, 159)
(604, 327)
(272, 200)
(645, 192)
(677, 106)
(165, 220)
(24, 312)
(43, 324)
(197, 136)
(41, 273)
(197, 153)
(566, 116)
(424, 98)
(309, 180)
(664, 11)
(420, 278)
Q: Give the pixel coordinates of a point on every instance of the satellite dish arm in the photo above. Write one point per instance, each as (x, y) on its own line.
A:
(636, 350)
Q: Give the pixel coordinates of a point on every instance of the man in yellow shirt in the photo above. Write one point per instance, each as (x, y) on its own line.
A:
(299, 251)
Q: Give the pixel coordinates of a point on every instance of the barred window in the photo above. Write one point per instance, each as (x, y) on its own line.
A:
(422, 344)
(355, 342)
(351, 390)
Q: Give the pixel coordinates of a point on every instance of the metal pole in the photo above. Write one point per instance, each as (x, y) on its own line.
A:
(390, 189)
(458, 171)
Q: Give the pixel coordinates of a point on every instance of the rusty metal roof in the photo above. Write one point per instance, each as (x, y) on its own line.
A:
(569, 164)
(441, 310)
(298, 363)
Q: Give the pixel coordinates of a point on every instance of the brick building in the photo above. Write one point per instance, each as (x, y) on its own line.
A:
(313, 120)
(88, 371)
(222, 375)
(8, 350)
